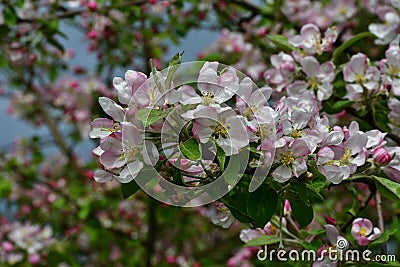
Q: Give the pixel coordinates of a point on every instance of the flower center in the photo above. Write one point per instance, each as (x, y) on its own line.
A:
(115, 128)
(131, 152)
(286, 158)
(363, 231)
(313, 82)
(360, 78)
(342, 11)
(296, 133)
(207, 98)
(220, 131)
(393, 71)
(346, 158)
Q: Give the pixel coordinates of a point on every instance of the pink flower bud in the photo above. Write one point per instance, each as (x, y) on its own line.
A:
(287, 209)
(330, 220)
(381, 156)
(34, 259)
(92, 34)
(92, 5)
(171, 259)
(7, 246)
(288, 67)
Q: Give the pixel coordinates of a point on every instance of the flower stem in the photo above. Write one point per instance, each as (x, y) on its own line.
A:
(381, 223)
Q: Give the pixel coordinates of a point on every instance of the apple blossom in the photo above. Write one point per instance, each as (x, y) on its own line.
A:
(310, 39)
(320, 77)
(283, 72)
(388, 30)
(359, 75)
(363, 231)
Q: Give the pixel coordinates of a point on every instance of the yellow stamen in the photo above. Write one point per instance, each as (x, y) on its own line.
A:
(363, 231)
(286, 158)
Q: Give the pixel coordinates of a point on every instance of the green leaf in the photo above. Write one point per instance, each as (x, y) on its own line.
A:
(156, 77)
(349, 43)
(150, 116)
(237, 204)
(172, 68)
(337, 106)
(262, 240)
(3, 62)
(261, 205)
(10, 16)
(5, 188)
(300, 189)
(220, 157)
(388, 188)
(232, 172)
(4, 30)
(191, 149)
(381, 119)
(302, 212)
(212, 57)
(355, 207)
(84, 210)
(177, 174)
(55, 43)
(19, 3)
(281, 42)
(129, 189)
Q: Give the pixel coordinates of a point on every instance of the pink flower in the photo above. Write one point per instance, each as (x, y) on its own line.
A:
(310, 39)
(338, 162)
(128, 87)
(341, 10)
(226, 128)
(291, 157)
(362, 229)
(126, 148)
(34, 259)
(381, 156)
(320, 78)
(358, 75)
(389, 29)
(390, 68)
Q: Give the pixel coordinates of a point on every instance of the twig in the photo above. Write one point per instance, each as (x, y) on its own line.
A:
(381, 223)
(362, 207)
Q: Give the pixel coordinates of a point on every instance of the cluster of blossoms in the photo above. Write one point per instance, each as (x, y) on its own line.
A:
(342, 12)
(303, 134)
(24, 242)
(72, 96)
(306, 11)
(233, 45)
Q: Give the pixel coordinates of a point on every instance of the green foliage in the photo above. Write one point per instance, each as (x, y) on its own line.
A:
(339, 51)
(281, 42)
(388, 188)
(302, 212)
(150, 116)
(334, 107)
(191, 149)
(263, 240)
(256, 208)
